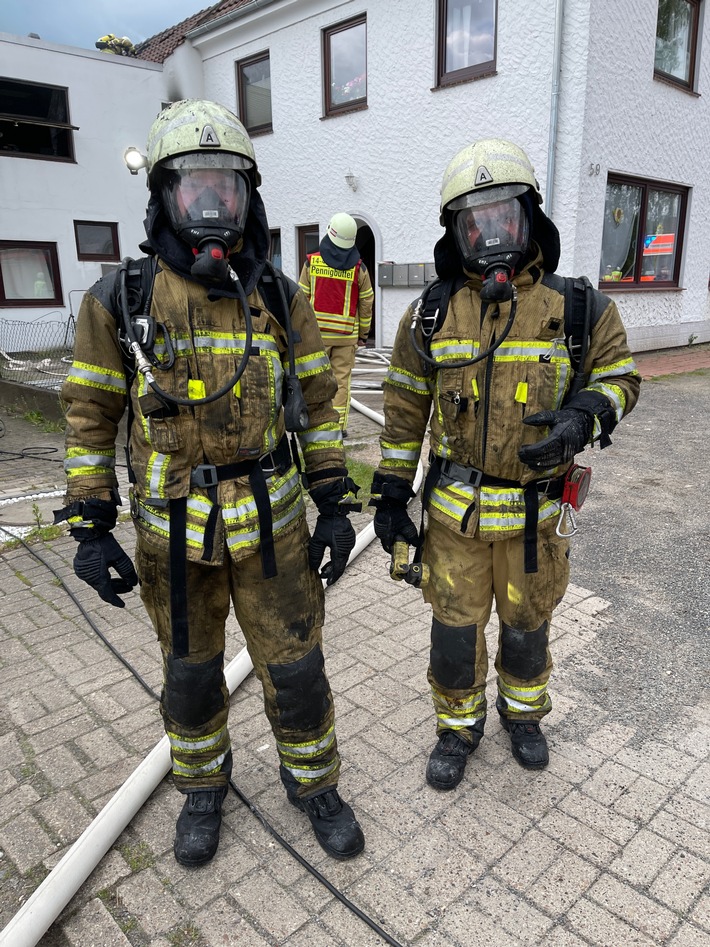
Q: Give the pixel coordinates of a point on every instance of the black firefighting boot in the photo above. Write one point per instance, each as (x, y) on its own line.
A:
(527, 741)
(197, 828)
(334, 823)
(448, 759)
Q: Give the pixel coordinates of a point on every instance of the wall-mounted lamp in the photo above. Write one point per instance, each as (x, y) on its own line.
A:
(351, 181)
(134, 160)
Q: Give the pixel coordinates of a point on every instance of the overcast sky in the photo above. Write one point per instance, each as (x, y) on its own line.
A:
(82, 22)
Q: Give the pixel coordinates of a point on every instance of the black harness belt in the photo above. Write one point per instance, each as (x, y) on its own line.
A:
(207, 476)
(452, 472)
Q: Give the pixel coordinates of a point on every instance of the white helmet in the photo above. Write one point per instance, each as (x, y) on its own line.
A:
(342, 230)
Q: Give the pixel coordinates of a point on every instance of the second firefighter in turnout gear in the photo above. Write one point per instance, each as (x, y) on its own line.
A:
(337, 283)
(229, 355)
(488, 367)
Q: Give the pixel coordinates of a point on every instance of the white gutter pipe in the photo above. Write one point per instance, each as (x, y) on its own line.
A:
(48, 900)
(554, 110)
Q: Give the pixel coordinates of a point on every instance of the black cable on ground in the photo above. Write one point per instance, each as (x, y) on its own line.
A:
(240, 795)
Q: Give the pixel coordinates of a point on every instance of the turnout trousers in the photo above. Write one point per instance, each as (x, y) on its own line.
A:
(282, 621)
(467, 575)
(342, 361)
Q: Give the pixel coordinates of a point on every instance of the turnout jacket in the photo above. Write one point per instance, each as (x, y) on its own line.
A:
(247, 423)
(476, 413)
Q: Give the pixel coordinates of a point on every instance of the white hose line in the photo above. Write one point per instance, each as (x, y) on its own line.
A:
(48, 900)
(51, 897)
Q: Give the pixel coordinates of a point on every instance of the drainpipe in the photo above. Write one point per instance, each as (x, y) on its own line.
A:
(554, 110)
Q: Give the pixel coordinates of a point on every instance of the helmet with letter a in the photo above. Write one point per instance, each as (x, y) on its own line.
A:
(202, 168)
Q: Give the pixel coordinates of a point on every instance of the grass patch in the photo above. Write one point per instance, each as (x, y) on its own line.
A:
(137, 856)
(362, 474)
(44, 424)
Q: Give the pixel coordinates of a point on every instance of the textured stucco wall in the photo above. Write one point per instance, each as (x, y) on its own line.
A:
(399, 147)
(113, 101)
(611, 112)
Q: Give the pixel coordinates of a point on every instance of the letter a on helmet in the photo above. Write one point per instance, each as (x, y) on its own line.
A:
(208, 138)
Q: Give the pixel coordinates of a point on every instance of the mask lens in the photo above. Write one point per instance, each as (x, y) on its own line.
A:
(490, 228)
(206, 197)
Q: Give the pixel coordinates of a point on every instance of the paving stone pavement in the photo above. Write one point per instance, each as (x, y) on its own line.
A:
(609, 846)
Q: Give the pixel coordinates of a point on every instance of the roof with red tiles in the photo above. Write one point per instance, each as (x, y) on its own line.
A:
(157, 48)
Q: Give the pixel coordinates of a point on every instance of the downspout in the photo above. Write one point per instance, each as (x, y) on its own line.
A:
(554, 110)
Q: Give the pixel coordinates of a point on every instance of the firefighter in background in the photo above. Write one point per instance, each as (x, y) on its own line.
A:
(118, 45)
(338, 285)
(216, 499)
(493, 365)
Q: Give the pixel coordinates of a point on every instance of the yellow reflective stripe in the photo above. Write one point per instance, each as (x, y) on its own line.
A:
(94, 376)
(156, 471)
(245, 510)
(309, 774)
(196, 744)
(399, 378)
(626, 366)
(617, 397)
(313, 364)
(243, 538)
(454, 349)
(309, 748)
(187, 769)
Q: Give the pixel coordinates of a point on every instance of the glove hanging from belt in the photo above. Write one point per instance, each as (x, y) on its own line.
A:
(571, 430)
(333, 529)
(389, 496)
(90, 523)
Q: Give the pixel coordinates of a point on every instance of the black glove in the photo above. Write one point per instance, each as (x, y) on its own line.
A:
(389, 497)
(333, 529)
(91, 565)
(572, 428)
(90, 522)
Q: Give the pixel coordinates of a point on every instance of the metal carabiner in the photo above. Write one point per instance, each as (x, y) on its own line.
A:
(566, 510)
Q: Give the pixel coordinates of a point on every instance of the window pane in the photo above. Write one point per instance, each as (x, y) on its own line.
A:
(674, 35)
(348, 65)
(470, 33)
(95, 239)
(659, 243)
(26, 273)
(33, 101)
(275, 248)
(256, 77)
(621, 222)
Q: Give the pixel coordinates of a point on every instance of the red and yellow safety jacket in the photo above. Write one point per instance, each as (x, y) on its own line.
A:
(342, 299)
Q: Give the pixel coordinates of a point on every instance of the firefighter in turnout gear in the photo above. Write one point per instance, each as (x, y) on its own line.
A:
(337, 283)
(215, 356)
(487, 364)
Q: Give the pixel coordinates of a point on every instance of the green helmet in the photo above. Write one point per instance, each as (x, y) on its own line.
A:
(198, 126)
(491, 163)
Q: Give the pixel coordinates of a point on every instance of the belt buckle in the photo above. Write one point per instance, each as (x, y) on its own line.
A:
(205, 476)
(463, 474)
(268, 464)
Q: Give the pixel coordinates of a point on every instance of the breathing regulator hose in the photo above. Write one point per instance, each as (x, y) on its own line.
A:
(417, 322)
(144, 365)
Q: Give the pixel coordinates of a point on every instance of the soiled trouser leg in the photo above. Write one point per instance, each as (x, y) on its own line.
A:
(460, 592)
(342, 360)
(525, 603)
(195, 700)
(282, 621)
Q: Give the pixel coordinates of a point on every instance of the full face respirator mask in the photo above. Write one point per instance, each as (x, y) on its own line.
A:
(206, 199)
(491, 229)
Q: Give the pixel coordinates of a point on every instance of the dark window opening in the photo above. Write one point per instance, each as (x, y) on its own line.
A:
(34, 121)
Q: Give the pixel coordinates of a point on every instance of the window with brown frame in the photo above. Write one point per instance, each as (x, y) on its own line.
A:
(275, 254)
(467, 40)
(96, 241)
(642, 241)
(254, 93)
(308, 241)
(29, 274)
(677, 32)
(345, 66)
(34, 121)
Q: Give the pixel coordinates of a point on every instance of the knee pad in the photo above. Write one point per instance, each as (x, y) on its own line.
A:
(453, 655)
(524, 653)
(302, 693)
(193, 692)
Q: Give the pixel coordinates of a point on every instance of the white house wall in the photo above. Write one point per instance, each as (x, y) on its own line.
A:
(399, 147)
(113, 101)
